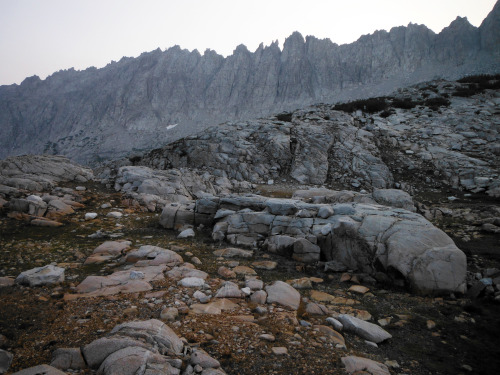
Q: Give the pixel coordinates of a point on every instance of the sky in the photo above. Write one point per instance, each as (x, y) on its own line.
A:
(40, 37)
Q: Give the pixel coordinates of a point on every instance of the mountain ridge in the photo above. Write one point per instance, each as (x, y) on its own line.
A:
(131, 105)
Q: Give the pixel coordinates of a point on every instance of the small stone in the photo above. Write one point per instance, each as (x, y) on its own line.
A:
(267, 337)
(360, 289)
(431, 324)
(187, 233)
(279, 350)
(192, 282)
(169, 314)
(384, 321)
(90, 216)
(200, 357)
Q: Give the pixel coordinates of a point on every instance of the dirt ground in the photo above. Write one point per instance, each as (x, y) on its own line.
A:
(36, 321)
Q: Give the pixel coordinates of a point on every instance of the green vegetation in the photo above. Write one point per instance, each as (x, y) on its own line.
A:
(371, 105)
(476, 84)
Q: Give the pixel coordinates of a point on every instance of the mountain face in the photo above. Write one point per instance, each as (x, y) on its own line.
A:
(141, 103)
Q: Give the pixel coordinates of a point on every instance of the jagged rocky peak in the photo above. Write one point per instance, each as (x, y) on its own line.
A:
(134, 101)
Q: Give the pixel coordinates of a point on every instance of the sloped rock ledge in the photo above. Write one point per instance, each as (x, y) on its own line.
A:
(358, 236)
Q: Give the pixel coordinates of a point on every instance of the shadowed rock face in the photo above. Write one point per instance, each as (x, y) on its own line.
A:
(145, 102)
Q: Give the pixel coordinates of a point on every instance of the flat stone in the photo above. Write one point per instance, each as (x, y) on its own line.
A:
(265, 265)
(267, 337)
(319, 296)
(366, 330)
(232, 252)
(359, 289)
(279, 350)
(224, 304)
(169, 314)
(201, 308)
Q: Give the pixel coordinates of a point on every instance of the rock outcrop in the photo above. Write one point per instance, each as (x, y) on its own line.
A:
(138, 103)
(358, 236)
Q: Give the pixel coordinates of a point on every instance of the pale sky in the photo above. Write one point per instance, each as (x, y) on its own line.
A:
(43, 36)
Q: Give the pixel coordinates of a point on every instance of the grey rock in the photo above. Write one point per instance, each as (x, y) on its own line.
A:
(154, 331)
(98, 350)
(46, 275)
(187, 233)
(305, 251)
(5, 361)
(68, 358)
(283, 294)
(129, 360)
(366, 330)
(229, 290)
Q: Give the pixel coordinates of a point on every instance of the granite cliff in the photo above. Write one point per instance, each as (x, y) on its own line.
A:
(141, 103)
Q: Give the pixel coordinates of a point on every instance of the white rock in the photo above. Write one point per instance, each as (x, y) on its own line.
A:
(188, 233)
(90, 215)
(192, 282)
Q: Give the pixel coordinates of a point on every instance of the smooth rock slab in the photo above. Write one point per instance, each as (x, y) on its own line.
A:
(46, 275)
(355, 364)
(98, 350)
(283, 294)
(366, 330)
(153, 331)
(130, 360)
